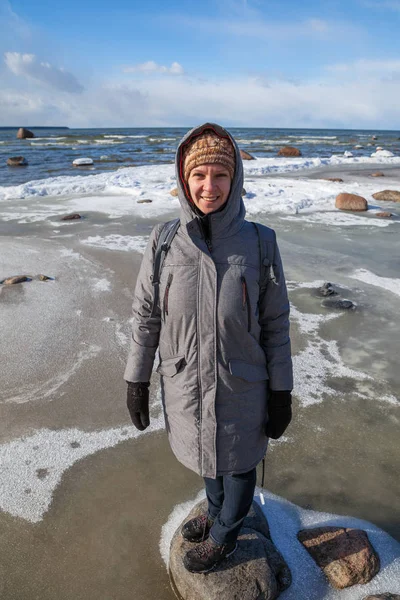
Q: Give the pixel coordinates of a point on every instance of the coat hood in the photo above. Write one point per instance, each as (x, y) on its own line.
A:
(229, 219)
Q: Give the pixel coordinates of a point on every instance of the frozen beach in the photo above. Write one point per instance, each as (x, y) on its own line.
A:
(84, 496)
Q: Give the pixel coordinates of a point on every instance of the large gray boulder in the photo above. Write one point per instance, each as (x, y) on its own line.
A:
(256, 571)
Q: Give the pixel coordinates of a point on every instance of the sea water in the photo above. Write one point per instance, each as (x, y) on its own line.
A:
(84, 496)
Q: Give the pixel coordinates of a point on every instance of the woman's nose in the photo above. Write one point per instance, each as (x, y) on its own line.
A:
(209, 184)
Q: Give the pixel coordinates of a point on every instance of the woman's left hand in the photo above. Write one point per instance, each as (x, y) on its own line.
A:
(279, 413)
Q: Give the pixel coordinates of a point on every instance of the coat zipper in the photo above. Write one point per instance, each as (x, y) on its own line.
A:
(207, 237)
(246, 301)
(166, 294)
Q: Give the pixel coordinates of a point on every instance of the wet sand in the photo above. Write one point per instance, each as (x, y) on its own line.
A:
(99, 538)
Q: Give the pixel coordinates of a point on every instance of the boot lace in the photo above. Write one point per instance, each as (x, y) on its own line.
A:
(205, 549)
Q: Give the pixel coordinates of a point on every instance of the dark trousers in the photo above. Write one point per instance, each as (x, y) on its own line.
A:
(229, 500)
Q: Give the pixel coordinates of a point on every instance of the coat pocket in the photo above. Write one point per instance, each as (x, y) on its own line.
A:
(248, 371)
(171, 366)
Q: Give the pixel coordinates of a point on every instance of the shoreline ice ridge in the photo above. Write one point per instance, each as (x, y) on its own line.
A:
(125, 179)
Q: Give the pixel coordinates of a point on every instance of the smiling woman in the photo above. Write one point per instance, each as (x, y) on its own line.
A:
(223, 337)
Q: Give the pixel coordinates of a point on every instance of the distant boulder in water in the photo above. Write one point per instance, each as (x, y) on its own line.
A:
(24, 133)
(289, 151)
(17, 161)
(82, 162)
(246, 156)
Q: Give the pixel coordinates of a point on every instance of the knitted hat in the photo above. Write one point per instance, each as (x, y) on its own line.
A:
(208, 148)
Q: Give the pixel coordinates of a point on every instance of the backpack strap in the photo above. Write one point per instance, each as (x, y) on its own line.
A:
(267, 258)
(164, 241)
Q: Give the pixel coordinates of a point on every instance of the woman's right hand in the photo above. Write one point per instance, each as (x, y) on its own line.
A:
(138, 404)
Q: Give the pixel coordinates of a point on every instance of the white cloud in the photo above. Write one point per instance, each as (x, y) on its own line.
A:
(368, 102)
(28, 66)
(152, 67)
(380, 70)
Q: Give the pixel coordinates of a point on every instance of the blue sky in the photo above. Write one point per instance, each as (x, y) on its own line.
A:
(243, 62)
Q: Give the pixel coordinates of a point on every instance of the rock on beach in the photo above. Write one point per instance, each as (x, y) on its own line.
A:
(23, 133)
(71, 217)
(346, 556)
(255, 570)
(383, 215)
(387, 196)
(378, 174)
(15, 279)
(346, 201)
(338, 304)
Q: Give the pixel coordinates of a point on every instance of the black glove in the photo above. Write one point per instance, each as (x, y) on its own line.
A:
(138, 404)
(279, 413)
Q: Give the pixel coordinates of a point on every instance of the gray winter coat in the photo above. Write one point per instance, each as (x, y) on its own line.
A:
(220, 344)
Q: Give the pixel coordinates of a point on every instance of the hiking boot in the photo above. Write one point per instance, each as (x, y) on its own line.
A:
(197, 529)
(207, 555)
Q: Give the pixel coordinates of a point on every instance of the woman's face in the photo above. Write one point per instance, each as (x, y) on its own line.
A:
(209, 186)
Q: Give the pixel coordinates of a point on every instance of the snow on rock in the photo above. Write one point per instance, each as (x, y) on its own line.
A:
(78, 162)
(382, 154)
(308, 582)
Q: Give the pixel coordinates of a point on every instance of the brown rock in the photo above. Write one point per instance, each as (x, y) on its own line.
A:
(378, 174)
(246, 156)
(71, 217)
(45, 278)
(346, 201)
(24, 133)
(383, 214)
(289, 151)
(17, 161)
(344, 555)
(255, 570)
(334, 179)
(15, 279)
(174, 192)
(144, 201)
(385, 596)
(387, 196)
